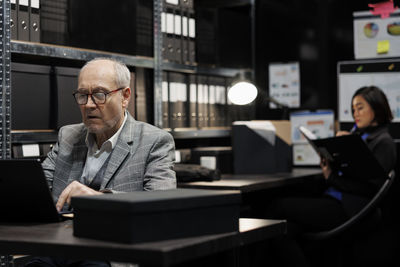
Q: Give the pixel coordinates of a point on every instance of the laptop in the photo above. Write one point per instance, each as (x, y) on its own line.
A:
(24, 193)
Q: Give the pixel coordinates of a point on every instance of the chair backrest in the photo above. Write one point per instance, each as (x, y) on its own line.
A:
(370, 207)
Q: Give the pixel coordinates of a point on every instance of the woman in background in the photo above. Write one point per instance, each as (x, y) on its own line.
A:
(342, 196)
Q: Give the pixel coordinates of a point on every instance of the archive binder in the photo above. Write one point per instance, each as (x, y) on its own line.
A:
(178, 100)
(169, 38)
(192, 39)
(23, 20)
(34, 21)
(193, 107)
(165, 101)
(14, 20)
(350, 153)
(220, 101)
(212, 103)
(202, 98)
(185, 39)
(177, 56)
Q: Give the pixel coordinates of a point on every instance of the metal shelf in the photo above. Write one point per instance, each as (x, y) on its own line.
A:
(227, 72)
(189, 133)
(73, 53)
(39, 136)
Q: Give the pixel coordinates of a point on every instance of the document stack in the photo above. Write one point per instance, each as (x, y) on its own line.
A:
(179, 31)
(25, 20)
(202, 101)
(190, 100)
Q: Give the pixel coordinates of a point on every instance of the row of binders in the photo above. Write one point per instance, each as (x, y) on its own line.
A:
(193, 100)
(178, 29)
(25, 20)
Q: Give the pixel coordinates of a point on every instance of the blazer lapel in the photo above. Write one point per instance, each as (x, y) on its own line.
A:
(124, 146)
(79, 153)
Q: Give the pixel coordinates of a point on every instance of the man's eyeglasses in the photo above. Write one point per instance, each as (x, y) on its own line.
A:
(97, 98)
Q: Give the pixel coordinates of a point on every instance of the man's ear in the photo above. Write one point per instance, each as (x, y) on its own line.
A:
(126, 94)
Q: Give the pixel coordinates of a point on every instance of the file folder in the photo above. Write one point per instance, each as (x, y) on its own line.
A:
(192, 39)
(164, 48)
(178, 100)
(220, 101)
(173, 98)
(261, 147)
(202, 96)
(14, 20)
(177, 38)
(212, 103)
(165, 102)
(23, 20)
(169, 40)
(193, 101)
(34, 21)
(349, 153)
(185, 40)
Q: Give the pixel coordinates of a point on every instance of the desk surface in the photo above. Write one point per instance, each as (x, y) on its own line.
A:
(57, 239)
(254, 182)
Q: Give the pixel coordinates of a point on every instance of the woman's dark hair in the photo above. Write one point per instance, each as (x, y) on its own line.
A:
(378, 102)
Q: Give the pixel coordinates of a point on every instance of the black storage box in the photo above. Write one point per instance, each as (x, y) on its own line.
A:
(156, 215)
(223, 155)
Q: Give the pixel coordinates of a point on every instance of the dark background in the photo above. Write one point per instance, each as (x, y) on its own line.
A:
(316, 33)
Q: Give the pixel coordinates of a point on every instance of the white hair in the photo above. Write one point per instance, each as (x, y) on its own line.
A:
(122, 73)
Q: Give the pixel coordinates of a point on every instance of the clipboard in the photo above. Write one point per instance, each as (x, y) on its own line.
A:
(347, 153)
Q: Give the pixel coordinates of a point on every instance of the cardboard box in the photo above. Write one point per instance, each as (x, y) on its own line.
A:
(156, 215)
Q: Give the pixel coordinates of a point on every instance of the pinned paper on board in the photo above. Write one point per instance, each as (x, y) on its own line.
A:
(383, 9)
(383, 47)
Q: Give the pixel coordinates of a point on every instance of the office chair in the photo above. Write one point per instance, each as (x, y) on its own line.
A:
(370, 207)
(362, 222)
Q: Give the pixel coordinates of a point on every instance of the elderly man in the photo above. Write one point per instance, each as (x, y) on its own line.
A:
(110, 151)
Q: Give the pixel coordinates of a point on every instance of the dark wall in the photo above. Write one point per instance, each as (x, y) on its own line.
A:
(316, 33)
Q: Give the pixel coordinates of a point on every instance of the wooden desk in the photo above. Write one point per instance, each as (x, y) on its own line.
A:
(248, 183)
(257, 190)
(57, 240)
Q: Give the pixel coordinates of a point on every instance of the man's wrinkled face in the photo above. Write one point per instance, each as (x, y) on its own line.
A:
(99, 76)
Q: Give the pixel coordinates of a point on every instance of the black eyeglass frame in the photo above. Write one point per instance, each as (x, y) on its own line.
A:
(93, 98)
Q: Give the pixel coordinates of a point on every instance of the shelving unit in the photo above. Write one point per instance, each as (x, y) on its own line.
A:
(40, 52)
(5, 77)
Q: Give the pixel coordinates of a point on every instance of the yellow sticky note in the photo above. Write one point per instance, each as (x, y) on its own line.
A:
(383, 47)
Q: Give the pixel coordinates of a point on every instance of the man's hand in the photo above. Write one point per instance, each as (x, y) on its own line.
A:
(74, 189)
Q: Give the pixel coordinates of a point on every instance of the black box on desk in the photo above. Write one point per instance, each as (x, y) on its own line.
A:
(222, 155)
(254, 153)
(156, 215)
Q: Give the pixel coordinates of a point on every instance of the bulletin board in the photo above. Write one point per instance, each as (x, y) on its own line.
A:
(284, 83)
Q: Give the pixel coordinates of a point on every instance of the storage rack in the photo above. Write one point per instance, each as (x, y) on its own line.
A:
(49, 51)
(5, 83)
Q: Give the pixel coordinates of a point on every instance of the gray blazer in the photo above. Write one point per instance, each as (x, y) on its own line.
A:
(141, 160)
